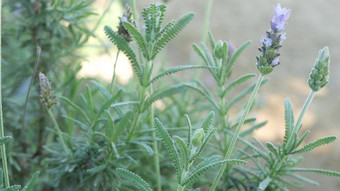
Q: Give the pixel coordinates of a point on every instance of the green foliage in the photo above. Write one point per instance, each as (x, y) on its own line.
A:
(124, 47)
(315, 144)
(110, 131)
(134, 179)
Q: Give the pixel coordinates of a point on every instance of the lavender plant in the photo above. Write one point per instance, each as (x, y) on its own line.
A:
(112, 137)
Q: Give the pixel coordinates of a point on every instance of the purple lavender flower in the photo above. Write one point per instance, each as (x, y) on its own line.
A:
(271, 42)
(281, 15)
(47, 96)
(127, 17)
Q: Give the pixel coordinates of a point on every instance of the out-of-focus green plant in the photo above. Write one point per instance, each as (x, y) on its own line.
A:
(59, 28)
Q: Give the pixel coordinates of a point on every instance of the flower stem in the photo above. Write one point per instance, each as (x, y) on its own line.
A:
(155, 146)
(114, 72)
(237, 132)
(56, 126)
(3, 146)
(298, 122)
(206, 20)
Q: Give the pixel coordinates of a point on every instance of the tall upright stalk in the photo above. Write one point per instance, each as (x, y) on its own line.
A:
(2, 133)
(237, 132)
(206, 20)
(298, 122)
(155, 146)
(113, 80)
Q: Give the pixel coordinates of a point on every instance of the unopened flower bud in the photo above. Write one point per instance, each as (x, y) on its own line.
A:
(47, 96)
(218, 50)
(198, 137)
(318, 78)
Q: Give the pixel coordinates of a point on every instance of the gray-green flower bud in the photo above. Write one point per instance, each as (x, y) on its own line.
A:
(318, 78)
(218, 50)
(198, 137)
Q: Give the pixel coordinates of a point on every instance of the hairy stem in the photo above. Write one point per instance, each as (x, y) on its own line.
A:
(298, 122)
(2, 133)
(56, 126)
(206, 20)
(113, 80)
(155, 146)
(237, 132)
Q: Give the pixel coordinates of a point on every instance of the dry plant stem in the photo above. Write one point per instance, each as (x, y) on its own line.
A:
(2, 134)
(56, 126)
(37, 58)
(113, 80)
(298, 122)
(237, 132)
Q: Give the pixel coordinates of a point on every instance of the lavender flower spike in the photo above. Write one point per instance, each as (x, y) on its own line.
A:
(271, 42)
(47, 96)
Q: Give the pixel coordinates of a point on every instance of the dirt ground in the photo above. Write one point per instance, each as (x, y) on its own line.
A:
(313, 24)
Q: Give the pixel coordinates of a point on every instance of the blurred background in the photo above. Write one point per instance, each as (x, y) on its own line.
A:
(312, 25)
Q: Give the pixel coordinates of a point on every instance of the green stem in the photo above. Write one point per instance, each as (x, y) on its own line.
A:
(2, 130)
(298, 122)
(131, 132)
(206, 20)
(237, 132)
(58, 131)
(155, 146)
(114, 72)
(180, 188)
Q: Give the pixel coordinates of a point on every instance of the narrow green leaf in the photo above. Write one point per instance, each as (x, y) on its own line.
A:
(207, 161)
(97, 169)
(251, 129)
(183, 151)
(211, 40)
(264, 184)
(170, 147)
(134, 179)
(102, 89)
(171, 33)
(124, 47)
(315, 144)
(304, 179)
(243, 94)
(318, 171)
(238, 81)
(174, 70)
(76, 107)
(147, 148)
(272, 148)
(189, 132)
(193, 176)
(210, 99)
(138, 37)
(207, 122)
(30, 183)
(5, 140)
(124, 103)
(165, 93)
(125, 122)
(289, 119)
(236, 55)
(302, 138)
